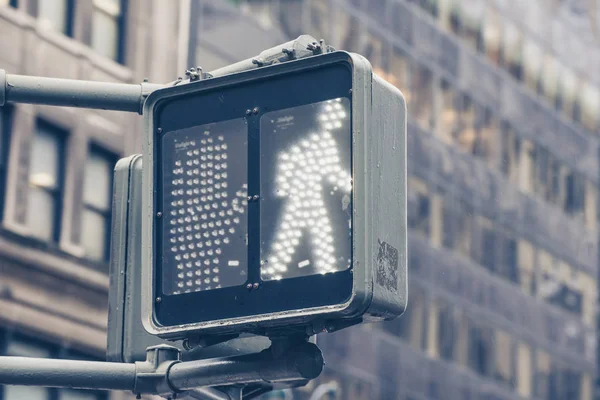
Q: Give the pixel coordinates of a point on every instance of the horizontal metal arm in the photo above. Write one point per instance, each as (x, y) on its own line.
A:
(304, 361)
(164, 373)
(66, 373)
(129, 97)
(74, 93)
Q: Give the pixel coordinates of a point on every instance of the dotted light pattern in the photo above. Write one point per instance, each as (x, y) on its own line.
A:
(303, 172)
(201, 218)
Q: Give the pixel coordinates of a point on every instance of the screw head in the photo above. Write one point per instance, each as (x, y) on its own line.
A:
(255, 286)
(350, 91)
(158, 299)
(158, 214)
(255, 197)
(248, 112)
(249, 198)
(255, 110)
(159, 130)
(249, 286)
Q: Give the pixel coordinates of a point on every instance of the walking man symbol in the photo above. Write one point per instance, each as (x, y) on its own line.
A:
(304, 173)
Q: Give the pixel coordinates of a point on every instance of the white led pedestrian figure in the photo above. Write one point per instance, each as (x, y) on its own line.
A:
(305, 172)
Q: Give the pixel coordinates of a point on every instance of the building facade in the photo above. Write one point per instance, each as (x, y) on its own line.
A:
(503, 183)
(56, 171)
(503, 155)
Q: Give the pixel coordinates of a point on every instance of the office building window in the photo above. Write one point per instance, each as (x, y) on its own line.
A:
(567, 91)
(503, 358)
(545, 381)
(56, 14)
(486, 140)
(480, 350)
(457, 225)
(512, 50)
(107, 28)
(6, 114)
(575, 193)
(97, 192)
(466, 21)
(532, 64)
(448, 127)
(411, 326)
(507, 252)
(587, 285)
(447, 331)
(399, 72)
(45, 182)
(524, 373)
(590, 104)
(11, 3)
(548, 86)
(421, 102)
(419, 204)
(465, 135)
(464, 228)
(590, 211)
(510, 148)
(484, 243)
(526, 261)
(492, 34)
(543, 165)
(527, 162)
(555, 381)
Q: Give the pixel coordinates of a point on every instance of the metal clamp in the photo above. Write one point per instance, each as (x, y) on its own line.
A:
(151, 375)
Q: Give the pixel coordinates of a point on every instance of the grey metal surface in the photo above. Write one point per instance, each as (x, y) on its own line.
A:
(127, 339)
(74, 93)
(304, 361)
(209, 393)
(163, 373)
(297, 48)
(66, 373)
(379, 217)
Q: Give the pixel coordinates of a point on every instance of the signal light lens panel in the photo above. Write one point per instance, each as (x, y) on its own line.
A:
(205, 207)
(305, 186)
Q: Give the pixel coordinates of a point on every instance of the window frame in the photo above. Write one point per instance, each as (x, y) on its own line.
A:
(6, 124)
(69, 23)
(106, 214)
(61, 135)
(120, 17)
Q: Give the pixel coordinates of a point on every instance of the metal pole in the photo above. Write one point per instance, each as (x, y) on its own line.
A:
(304, 361)
(66, 373)
(130, 97)
(164, 373)
(74, 93)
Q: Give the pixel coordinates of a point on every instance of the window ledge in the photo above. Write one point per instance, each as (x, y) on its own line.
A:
(110, 67)
(46, 257)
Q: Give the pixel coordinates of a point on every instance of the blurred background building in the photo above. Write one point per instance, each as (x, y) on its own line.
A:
(504, 105)
(56, 171)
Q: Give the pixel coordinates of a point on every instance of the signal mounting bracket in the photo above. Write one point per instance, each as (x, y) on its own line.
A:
(301, 47)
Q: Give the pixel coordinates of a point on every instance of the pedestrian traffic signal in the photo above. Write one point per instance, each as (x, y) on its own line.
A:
(275, 200)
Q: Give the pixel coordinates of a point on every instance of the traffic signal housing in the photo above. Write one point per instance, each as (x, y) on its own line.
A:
(275, 201)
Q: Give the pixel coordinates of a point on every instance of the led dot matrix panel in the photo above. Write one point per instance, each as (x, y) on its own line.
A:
(255, 189)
